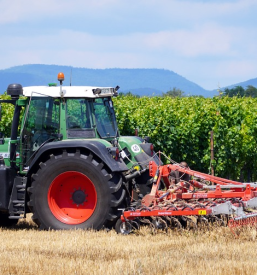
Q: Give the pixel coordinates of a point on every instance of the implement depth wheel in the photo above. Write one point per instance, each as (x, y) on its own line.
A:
(74, 190)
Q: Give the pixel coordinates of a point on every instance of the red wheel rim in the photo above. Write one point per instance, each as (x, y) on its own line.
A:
(72, 197)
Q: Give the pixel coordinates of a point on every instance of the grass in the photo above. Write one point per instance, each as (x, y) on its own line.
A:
(26, 250)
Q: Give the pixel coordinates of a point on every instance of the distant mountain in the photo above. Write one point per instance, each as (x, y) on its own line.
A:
(137, 81)
(250, 82)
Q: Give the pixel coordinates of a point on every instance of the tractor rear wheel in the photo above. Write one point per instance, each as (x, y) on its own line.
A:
(74, 190)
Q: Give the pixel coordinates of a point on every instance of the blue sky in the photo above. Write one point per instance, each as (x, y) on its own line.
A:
(212, 43)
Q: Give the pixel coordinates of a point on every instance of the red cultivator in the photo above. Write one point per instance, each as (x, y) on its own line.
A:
(176, 201)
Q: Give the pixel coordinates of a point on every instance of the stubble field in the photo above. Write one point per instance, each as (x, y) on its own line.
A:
(26, 250)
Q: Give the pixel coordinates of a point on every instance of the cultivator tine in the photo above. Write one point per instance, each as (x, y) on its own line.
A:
(189, 223)
(168, 222)
(135, 225)
(202, 223)
(235, 224)
(175, 224)
(225, 219)
(172, 207)
(160, 223)
(150, 224)
(216, 221)
(220, 222)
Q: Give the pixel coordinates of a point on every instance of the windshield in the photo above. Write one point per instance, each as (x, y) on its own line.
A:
(79, 120)
(105, 118)
(42, 124)
(78, 114)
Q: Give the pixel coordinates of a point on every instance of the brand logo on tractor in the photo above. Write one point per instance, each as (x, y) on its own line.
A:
(135, 148)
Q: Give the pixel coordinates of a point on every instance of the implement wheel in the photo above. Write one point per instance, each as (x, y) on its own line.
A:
(74, 190)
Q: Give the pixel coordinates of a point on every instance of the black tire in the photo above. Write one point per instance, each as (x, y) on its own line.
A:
(126, 227)
(6, 222)
(108, 192)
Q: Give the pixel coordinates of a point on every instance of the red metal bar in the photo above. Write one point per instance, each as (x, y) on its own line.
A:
(163, 172)
(247, 194)
(130, 215)
(166, 169)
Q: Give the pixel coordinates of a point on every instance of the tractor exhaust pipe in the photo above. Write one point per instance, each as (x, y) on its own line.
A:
(14, 90)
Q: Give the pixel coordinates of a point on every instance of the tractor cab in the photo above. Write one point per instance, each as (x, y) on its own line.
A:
(50, 113)
(66, 113)
(53, 118)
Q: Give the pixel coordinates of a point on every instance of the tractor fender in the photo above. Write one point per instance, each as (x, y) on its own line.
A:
(96, 147)
(139, 150)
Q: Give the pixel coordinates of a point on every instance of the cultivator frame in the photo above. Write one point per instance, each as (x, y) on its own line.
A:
(193, 202)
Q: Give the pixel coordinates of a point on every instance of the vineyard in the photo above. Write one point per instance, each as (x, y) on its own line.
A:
(180, 127)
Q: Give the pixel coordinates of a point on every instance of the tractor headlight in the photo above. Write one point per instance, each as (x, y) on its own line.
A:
(104, 91)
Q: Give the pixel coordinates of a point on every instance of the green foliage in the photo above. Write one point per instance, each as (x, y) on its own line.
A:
(180, 127)
(127, 94)
(251, 91)
(239, 91)
(175, 92)
(6, 116)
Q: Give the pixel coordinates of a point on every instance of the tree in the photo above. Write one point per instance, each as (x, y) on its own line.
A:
(175, 92)
(236, 91)
(251, 91)
(128, 94)
(239, 91)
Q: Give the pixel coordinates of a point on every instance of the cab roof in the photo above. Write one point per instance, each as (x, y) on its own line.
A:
(69, 91)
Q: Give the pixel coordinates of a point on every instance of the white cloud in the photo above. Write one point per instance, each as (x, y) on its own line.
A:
(240, 69)
(180, 10)
(71, 48)
(25, 10)
(207, 40)
(199, 9)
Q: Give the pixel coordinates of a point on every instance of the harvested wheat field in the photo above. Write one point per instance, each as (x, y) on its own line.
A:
(25, 250)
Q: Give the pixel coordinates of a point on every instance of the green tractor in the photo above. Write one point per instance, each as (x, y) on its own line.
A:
(66, 162)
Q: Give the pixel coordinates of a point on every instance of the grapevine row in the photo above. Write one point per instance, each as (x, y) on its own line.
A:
(180, 127)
